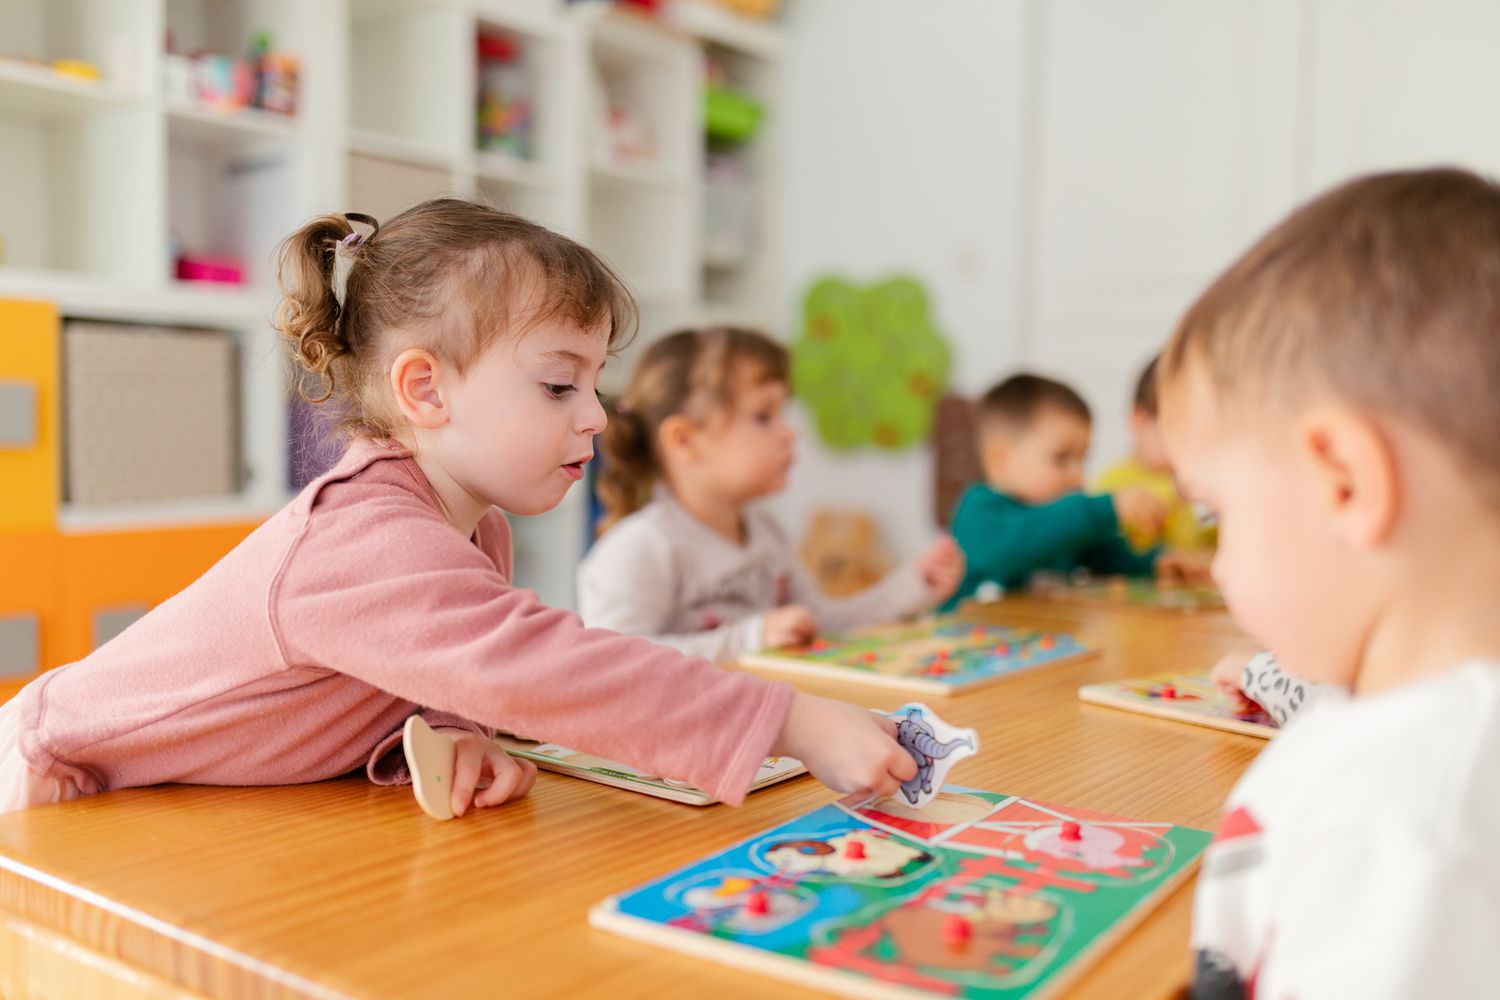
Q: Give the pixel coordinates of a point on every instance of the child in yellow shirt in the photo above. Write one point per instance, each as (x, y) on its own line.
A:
(1148, 468)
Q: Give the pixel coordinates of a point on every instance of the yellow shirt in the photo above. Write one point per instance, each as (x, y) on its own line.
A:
(1183, 532)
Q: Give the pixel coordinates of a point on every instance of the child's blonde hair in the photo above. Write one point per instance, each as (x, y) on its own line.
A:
(691, 372)
(1384, 291)
(447, 276)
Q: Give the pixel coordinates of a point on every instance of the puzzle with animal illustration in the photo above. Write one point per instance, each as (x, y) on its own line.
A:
(1185, 697)
(563, 760)
(938, 656)
(1143, 595)
(977, 895)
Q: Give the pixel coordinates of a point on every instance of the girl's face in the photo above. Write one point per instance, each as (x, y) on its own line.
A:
(524, 417)
(748, 450)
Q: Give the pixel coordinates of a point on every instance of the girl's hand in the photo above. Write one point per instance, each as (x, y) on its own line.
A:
(847, 748)
(942, 567)
(792, 625)
(479, 764)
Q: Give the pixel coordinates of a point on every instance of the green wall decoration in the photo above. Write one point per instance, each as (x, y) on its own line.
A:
(869, 363)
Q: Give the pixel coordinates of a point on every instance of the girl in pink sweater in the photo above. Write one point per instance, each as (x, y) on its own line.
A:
(462, 347)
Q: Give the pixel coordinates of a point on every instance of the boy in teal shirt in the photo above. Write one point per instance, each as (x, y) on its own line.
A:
(1028, 515)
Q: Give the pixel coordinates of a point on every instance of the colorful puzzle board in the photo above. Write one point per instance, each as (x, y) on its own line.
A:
(939, 656)
(978, 895)
(563, 760)
(1140, 595)
(1184, 697)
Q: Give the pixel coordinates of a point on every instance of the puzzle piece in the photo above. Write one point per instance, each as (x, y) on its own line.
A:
(429, 757)
(934, 745)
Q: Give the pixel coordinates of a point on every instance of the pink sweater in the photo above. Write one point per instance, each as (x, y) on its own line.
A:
(301, 653)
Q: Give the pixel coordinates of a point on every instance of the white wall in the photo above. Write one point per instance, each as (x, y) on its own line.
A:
(900, 137)
(1065, 175)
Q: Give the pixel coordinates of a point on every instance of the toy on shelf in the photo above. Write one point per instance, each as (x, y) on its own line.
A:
(218, 270)
(75, 70)
(263, 79)
(727, 214)
(728, 115)
(625, 138)
(505, 102)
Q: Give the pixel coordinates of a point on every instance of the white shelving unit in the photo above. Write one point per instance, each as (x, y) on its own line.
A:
(99, 178)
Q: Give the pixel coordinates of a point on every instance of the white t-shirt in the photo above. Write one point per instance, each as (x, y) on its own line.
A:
(1359, 856)
(663, 574)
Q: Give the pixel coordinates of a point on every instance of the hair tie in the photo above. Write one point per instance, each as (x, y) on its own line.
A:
(343, 253)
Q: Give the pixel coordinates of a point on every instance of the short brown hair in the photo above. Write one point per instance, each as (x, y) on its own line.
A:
(1385, 291)
(1012, 405)
(445, 276)
(690, 372)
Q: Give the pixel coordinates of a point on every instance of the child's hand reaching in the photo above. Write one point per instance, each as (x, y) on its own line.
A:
(791, 625)
(1227, 673)
(1140, 511)
(478, 764)
(942, 566)
(847, 748)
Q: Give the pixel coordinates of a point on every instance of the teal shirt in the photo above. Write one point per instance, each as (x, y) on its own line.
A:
(1006, 541)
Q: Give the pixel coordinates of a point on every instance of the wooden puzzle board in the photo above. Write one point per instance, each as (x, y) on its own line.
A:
(563, 760)
(1183, 697)
(1140, 595)
(940, 656)
(979, 895)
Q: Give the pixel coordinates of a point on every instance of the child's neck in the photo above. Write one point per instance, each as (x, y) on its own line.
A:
(722, 515)
(460, 508)
(1440, 618)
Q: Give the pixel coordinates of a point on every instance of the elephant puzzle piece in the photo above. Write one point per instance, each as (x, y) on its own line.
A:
(934, 745)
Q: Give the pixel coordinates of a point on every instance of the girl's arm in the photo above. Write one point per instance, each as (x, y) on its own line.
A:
(899, 593)
(387, 592)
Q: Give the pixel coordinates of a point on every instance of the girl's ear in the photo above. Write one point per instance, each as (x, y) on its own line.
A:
(1354, 467)
(417, 382)
(677, 439)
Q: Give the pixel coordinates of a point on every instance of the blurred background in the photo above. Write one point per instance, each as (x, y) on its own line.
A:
(977, 186)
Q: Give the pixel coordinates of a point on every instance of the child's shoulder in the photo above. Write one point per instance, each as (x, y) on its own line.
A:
(982, 496)
(1428, 748)
(370, 470)
(648, 530)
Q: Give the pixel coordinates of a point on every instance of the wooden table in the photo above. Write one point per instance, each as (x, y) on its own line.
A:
(346, 889)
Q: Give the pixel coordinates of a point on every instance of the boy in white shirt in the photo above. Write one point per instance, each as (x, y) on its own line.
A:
(1335, 398)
